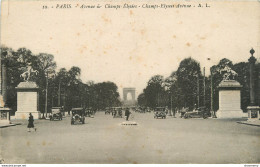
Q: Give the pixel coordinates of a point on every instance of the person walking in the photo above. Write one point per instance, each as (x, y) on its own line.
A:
(127, 113)
(30, 123)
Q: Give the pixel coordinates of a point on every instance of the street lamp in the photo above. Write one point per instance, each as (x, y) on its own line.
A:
(211, 93)
(204, 89)
(46, 96)
(169, 93)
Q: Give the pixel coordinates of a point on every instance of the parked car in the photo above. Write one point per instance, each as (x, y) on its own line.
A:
(160, 112)
(78, 115)
(201, 112)
(56, 113)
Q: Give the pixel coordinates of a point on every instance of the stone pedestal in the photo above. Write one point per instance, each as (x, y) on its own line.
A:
(230, 100)
(27, 100)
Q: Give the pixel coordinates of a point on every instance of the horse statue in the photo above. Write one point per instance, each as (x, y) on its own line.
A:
(27, 75)
(229, 74)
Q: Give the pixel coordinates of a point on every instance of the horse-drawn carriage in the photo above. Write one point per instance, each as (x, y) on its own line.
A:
(160, 112)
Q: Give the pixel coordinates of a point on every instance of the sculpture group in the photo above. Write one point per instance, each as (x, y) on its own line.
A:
(28, 75)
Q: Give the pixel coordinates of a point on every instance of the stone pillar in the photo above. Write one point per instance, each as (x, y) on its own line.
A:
(230, 100)
(4, 110)
(27, 100)
(252, 61)
(4, 84)
(252, 109)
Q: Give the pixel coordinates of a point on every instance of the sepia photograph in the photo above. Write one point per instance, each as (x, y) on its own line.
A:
(130, 82)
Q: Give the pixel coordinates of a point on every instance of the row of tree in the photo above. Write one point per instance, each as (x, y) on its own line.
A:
(187, 87)
(62, 87)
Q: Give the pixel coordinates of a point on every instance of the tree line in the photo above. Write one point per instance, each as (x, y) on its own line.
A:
(187, 86)
(61, 87)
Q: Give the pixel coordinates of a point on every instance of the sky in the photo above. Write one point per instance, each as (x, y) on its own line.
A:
(129, 46)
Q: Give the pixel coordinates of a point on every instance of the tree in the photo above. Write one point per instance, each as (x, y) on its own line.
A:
(154, 91)
(187, 75)
(141, 99)
(243, 78)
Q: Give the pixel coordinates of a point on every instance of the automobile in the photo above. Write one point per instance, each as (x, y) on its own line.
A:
(56, 113)
(89, 112)
(107, 110)
(117, 112)
(200, 112)
(160, 112)
(78, 115)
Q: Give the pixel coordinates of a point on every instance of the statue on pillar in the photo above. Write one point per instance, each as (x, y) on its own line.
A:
(228, 73)
(29, 73)
(28, 95)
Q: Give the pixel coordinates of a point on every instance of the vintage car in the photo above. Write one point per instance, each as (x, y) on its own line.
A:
(78, 115)
(200, 112)
(117, 112)
(89, 112)
(160, 112)
(56, 113)
(107, 110)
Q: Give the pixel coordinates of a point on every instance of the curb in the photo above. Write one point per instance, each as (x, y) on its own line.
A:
(5, 126)
(248, 124)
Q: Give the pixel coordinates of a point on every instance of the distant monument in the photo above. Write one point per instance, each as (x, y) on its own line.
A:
(27, 95)
(126, 101)
(229, 96)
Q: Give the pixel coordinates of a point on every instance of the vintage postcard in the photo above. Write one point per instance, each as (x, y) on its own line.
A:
(130, 82)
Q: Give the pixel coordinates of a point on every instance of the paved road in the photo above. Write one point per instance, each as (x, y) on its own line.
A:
(103, 140)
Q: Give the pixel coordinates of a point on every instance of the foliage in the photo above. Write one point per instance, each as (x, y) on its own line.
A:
(64, 88)
(180, 89)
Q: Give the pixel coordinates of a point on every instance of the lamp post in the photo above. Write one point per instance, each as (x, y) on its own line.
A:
(46, 96)
(170, 112)
(198, 90)
(59, 95)
(204, 89)
(211, 93)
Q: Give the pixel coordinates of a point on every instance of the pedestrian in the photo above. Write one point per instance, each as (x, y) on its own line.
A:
(30, 124)
(127, 113)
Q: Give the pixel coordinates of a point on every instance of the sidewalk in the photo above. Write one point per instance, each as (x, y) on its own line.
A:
(251, 122)
(7, 125)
